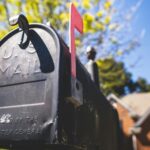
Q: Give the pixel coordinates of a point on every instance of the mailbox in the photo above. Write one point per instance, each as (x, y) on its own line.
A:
(29, 83)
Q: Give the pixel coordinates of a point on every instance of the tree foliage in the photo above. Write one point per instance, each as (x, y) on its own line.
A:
(142, 85)
(114, 78)
(105, 24)
(37, 11)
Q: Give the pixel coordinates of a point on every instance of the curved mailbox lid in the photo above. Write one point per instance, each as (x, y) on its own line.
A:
(29, 84)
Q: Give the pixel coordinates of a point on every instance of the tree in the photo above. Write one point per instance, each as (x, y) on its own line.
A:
(105, 25)
(142, 85)
(114, 78)
(38, 11)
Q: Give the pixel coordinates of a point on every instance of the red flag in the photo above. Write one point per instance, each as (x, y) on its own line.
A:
(76, 22)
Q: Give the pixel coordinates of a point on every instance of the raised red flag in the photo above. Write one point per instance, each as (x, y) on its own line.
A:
(76, 22)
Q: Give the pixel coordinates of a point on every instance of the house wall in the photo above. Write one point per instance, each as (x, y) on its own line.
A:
(142, 140)
(141, 146)
(126, 123)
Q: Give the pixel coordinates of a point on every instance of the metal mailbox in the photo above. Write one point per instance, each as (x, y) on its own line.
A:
(29, 85)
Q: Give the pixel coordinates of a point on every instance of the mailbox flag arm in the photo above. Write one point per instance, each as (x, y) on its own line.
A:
(76, 22)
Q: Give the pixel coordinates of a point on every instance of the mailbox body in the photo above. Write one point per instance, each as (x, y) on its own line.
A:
(29, 83)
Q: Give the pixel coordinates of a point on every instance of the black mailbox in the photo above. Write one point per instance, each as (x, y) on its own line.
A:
(29, 81)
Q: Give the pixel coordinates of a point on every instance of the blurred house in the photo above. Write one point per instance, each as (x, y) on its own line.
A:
(134, 116)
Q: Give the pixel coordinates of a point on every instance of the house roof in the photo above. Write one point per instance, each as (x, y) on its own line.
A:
(138, 102)
(143, 118)
(137, 128)
(113, 98)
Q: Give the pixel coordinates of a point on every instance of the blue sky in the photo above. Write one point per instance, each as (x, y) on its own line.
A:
(141, 56)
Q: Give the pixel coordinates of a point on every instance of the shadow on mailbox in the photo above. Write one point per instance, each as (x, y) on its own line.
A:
(46, 62)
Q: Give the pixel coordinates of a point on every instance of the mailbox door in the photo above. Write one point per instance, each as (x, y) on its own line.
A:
(29, 85)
